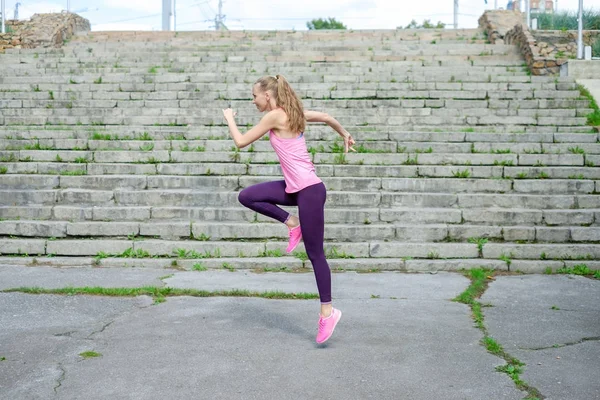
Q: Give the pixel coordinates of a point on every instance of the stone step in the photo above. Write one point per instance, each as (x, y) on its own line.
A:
(513, 61)
(197, 198)
(178, 134)
(425, 158)
(283, 264)
(113, 117)
(341, 89)
(366, 216)
(348, 171)
(338, 232)
(330, 48)
(297, 71)
(318, 146)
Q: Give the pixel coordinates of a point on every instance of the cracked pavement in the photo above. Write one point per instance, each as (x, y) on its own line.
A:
(552, 324)
(411, 342)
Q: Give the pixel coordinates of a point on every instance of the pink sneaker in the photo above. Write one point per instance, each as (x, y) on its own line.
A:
(327, 325)
(295, 237)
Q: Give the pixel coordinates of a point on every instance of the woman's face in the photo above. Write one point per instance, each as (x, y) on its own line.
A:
(260, 99)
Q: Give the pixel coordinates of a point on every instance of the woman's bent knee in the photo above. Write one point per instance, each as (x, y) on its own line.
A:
(244, 197)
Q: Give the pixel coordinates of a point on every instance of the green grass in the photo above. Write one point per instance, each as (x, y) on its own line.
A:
(101, 136)
(199, 267)
(513, 368)
(593, 117)
(335, 253)
(576, 150)
(480, 242)
(462, 174)
(271, 253)
(340, 159)
(77, 172)
(161, 292)
(89, 354)
(521, 175)
(300, 255)
(3, 170)
(579, 269)
(567, 20)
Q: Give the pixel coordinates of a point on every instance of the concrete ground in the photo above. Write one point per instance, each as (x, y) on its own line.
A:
(400, 337)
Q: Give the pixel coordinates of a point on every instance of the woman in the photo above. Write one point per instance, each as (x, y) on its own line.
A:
(285, 120)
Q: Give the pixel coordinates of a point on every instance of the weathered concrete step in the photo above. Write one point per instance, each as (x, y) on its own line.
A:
(334, 232)
(117, 117)
(288, 51)
(318, 146)
(438, 159)
(179, 135)
(136, 97)
(426, 215)
(424, 158)
(169, 171)
(289, 264)
(198, 198)
(193, 63)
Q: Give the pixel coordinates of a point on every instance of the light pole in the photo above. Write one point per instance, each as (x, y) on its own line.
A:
(455, 14)
(580, 31)
(3, 11)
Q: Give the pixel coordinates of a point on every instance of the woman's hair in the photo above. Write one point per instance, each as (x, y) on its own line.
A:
(286, 98)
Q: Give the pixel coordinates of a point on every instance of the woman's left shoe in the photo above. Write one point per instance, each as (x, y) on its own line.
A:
(327, 325)
(295, 237)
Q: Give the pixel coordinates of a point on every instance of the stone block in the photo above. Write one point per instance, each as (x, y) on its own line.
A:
(22, 246)
(33, 228)
(591, 234)
(552, 235)
(86, 247)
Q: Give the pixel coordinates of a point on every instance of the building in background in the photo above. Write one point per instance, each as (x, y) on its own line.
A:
(542, 6)
(513, 5)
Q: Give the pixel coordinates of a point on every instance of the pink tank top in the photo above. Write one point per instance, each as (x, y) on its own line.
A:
(298, 170)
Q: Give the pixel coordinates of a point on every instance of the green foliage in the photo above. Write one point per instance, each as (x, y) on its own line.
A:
(427, 24)
(596, 48)
(567, 20)
(321, 23)
(594, 117)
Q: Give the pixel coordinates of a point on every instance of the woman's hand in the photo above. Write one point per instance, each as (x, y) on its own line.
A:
(348, 143)
(228, 113)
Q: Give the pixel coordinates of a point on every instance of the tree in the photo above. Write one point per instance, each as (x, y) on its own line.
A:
(426, 25)
(320, 23)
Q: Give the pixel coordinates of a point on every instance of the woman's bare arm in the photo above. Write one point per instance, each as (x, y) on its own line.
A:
(316, 116)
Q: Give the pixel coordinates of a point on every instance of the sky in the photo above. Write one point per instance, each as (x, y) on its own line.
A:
(273, 15)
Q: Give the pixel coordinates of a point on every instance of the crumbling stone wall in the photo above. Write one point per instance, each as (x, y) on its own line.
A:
(546, 51)
(42, 30)
(496, 23)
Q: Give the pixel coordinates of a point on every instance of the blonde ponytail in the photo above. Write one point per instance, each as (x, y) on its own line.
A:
(286, 98)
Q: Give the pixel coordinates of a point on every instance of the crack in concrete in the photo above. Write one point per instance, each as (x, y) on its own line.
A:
(558, 346)
(61, 378)
(101, 329)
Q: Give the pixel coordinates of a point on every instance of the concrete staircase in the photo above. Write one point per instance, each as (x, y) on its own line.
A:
(113, 153)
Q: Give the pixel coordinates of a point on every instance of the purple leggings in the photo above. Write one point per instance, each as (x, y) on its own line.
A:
(263, 198)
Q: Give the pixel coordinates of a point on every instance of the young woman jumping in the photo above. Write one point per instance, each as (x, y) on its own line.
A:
(285, 120)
